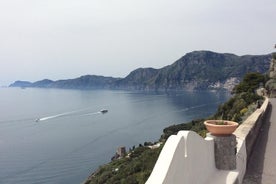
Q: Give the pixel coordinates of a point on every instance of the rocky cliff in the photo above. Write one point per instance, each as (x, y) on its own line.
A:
(197, 70)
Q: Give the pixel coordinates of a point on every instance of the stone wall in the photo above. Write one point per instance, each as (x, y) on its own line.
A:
(246, 135)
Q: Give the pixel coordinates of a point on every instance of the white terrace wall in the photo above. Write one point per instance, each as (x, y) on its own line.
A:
(179, 154)
(187, 158)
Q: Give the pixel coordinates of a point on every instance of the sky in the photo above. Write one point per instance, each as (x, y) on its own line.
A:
(62, 39)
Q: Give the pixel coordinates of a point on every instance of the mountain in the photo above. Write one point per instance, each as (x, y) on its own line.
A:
(196, 70)
(43, 83)
(21, 84)
(138, 79)
(83, 82)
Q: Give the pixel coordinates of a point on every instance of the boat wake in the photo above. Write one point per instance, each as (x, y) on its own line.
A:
(90, 114)
(56, 116)
(66, 114)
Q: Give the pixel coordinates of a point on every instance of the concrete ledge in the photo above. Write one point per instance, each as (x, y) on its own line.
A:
(185, 158)
(225, 177)
(249, 129)
(170, 161)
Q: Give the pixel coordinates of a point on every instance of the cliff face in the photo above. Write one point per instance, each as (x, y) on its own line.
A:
(197, 70)
(271, 83)
(139, 79)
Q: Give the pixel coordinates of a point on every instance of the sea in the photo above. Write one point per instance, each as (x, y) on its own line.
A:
(57, 136)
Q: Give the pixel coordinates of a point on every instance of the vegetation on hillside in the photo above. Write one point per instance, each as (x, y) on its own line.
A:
(244, 95)
(250, 83)
(271, 83)
(194, 125)
(242, 103)
(133, 169)
(136, 168)
(274, 55)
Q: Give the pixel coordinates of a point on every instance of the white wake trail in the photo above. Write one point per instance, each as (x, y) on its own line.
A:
(92, 113)
(57, 116)
(71, 113)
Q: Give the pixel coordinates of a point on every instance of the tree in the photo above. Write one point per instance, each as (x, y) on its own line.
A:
(250, 83)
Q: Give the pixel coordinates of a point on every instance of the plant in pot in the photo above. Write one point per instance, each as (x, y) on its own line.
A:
(221, 127)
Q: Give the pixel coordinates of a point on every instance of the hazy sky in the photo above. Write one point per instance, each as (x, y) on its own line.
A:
(60, 39)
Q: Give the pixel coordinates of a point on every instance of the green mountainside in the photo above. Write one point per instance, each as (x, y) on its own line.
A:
(197, 70)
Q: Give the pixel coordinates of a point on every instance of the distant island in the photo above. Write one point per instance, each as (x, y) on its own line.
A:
(198, 70)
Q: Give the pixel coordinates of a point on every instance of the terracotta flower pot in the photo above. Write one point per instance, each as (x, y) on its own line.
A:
(221, 127)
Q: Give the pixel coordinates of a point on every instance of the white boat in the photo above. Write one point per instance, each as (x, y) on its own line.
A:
(37, 120)
(104, 111)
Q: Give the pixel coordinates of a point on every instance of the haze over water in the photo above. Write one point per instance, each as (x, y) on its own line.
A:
(73, 138)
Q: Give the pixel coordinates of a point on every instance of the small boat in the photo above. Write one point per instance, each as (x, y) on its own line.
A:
(104, 111)
(37, 120)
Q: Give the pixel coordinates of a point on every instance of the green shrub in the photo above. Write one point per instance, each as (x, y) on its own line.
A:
(274, 55)
(250, 83)
(243, 111)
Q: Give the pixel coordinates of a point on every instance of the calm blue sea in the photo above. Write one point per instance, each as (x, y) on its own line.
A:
(73, 138)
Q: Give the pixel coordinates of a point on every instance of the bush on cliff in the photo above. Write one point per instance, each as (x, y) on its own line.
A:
(250, 83)
(244, 95)
(274, 55)
(134, 169)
